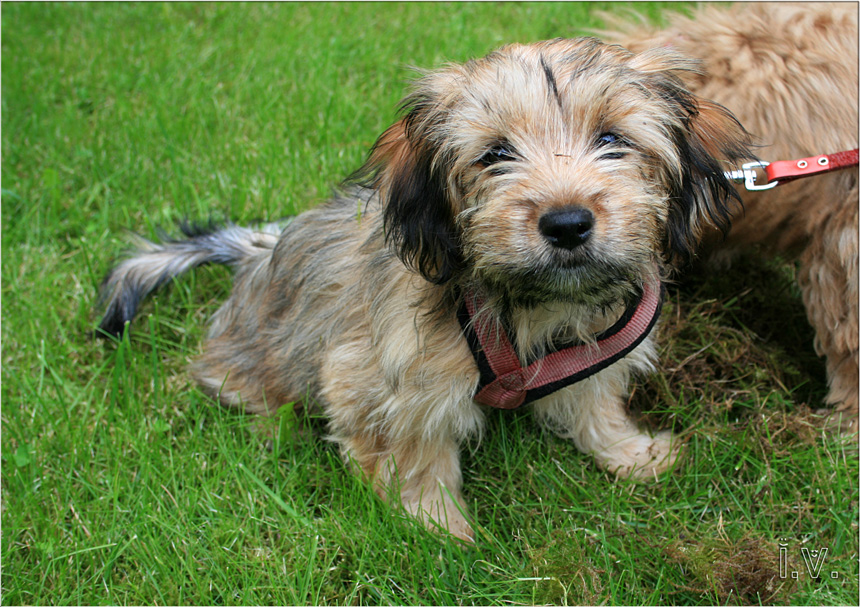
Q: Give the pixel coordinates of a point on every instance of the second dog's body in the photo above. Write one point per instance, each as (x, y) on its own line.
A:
(789, 72)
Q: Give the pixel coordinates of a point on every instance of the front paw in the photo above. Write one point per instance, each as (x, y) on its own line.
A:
(442, 514)
(641, 456)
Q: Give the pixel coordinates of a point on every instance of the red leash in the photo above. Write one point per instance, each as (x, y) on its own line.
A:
(784, 171)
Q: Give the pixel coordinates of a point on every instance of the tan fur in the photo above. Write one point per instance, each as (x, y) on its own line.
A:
(788, 71)
(354, 308)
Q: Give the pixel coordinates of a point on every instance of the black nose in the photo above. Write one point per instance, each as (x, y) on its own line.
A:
(567, 229)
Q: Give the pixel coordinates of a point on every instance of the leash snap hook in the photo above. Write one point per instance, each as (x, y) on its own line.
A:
(785, 171)
(747, 175)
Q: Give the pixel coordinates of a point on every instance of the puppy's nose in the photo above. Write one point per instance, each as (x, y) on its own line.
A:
(568, 228)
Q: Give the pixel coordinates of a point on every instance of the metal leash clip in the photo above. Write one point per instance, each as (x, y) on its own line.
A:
(747, 176)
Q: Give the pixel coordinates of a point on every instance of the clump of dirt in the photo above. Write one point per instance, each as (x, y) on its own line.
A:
(743, 572)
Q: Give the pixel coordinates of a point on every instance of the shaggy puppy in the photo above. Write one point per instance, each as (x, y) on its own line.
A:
(788, 71)
(529, 200)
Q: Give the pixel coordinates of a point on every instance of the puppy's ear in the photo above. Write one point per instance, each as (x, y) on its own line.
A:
(712, 142)
(708, 141)
(418, 217)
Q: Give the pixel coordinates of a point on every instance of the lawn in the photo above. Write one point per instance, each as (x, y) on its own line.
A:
(123, 484)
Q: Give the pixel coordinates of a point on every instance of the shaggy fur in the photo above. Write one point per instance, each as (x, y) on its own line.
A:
(354, 304)
(788, 71)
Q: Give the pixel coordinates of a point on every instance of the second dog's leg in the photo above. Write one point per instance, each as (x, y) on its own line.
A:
(827, 278)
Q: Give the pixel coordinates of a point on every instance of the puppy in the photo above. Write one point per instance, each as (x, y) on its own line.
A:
(788, 71)
(527, 202)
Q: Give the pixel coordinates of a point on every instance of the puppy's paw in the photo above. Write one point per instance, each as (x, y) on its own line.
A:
(641, 456)
(442, 515)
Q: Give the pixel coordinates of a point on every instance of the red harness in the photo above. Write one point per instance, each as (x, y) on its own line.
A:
(506, 384)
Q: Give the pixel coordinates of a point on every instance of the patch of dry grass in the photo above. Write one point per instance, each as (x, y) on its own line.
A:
(729, 339)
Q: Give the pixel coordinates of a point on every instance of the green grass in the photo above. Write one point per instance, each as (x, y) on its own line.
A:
(123, 484)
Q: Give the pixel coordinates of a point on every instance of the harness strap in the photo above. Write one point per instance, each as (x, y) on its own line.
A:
(506, 384)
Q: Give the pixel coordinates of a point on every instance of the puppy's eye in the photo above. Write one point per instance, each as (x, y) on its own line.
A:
(611, 140)
(499, 153)
(608, 139)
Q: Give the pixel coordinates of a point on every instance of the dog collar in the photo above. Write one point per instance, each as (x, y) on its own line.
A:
(506, 384)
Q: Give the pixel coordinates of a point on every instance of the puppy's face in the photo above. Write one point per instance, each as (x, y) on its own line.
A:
(555, 171)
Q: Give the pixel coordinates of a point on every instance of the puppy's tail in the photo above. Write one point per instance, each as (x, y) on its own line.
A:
(153, 265)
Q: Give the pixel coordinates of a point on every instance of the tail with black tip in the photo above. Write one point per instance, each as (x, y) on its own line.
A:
(153, 265)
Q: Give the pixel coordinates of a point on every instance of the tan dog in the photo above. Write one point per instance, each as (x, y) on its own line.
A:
(550, 182)
(788, 71)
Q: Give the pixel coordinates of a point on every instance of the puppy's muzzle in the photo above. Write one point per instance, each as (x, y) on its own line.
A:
(567, 228)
